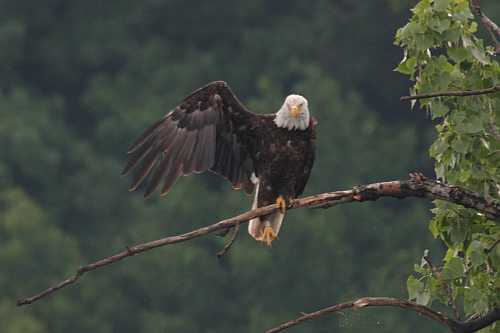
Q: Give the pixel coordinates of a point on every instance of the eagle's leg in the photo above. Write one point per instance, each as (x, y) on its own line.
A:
(282, 204)
(268, 234)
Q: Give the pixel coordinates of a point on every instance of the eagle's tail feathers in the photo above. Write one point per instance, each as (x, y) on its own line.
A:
(275, 220)
(257, 225)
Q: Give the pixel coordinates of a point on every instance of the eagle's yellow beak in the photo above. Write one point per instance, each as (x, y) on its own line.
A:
(295, 111)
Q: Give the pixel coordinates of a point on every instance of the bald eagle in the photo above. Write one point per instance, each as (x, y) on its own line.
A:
(268, 154)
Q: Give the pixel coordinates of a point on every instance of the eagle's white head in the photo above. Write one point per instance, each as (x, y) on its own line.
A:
(293, 114)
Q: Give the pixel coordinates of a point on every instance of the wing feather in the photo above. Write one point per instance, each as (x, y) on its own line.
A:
(209, 130)
(204, 151)
(190, 164)
(235, 171)
(170, 181)
(169, 162)
(148, 164)
(157, 176)
(135, 157)
(188, 151)
(144, 136)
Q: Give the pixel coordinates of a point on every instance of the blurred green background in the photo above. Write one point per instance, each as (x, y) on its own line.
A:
(79, 81)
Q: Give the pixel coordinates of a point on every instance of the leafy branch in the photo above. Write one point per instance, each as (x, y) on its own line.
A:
(438, 274)
(417, 186)
(442, 52)
(456, 93)
(454, 326)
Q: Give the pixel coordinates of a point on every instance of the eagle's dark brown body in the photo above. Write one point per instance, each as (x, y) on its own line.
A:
(212, 130)
(282, 158)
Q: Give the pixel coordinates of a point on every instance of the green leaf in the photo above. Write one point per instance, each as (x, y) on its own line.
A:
(458, 233)
(480, 55)
(417, 291)
(438, 148)
(441, 5)
(440, 169)
(485, 143)
(461, 144)
(463, 12)
(438, 110)
(424, 297)
(438, 289)
(476, 254)
(472, 125)
(467, 42)
(434, 227)
(409, 30)
(465, 175)
(439, 25)
(407, 66)
(424, 42)
(494, 256)
(458, 116)
(475, 301)
(475, 51)
(414, 287)
(453, 269)
(458, 54)
(452, 35)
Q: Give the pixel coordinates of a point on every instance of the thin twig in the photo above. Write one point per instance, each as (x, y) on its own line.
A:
(453, 325)
(429, 263)
(490, 26)
(492, 246)
(459, 93)
(420, 187)
(438, 275)
(227, 247)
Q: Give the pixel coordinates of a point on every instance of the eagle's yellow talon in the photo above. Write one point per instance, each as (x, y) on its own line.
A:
(267, 236)
(280, 201)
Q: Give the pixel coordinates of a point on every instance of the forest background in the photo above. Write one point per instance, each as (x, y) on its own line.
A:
(80, 80)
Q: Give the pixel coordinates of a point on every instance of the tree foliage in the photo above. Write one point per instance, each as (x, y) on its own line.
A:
(443, 52)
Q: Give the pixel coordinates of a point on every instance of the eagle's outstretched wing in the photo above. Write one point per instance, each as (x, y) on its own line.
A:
(209, 130)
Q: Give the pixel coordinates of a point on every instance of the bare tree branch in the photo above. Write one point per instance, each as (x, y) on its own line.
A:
(416, 186)
(437, 274)
(365, 302)
(492, 28)
(459, 93)
(227, 247)
(453, 325)
(492, 246)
